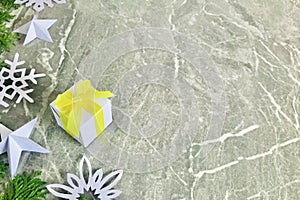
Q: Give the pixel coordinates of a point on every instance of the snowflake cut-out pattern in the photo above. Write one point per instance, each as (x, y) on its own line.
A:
(38, 5)
(101, 186)
(13, 82)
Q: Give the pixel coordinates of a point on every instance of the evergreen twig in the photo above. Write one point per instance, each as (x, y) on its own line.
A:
(7, 38)
(22, 187)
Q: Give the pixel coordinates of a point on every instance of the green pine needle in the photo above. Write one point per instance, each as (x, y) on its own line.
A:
(7, 38)
(22, 187)
(83, 198)
(3, 170)
(9, 4)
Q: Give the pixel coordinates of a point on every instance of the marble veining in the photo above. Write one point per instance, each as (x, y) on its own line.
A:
(207, 103)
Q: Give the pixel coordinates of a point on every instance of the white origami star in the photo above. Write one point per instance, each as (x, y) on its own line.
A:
(36, 28)
(14, 142)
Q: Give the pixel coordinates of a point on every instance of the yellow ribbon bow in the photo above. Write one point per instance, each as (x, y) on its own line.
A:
(70, 107)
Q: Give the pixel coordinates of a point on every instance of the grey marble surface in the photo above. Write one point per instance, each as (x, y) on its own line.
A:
(207, 103)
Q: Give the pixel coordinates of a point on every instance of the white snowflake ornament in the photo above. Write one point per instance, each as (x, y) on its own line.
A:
(38, 5)
(13, 82)
(100, 187)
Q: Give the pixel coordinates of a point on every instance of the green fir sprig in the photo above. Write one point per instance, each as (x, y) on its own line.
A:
(7, 38)
(22, 187)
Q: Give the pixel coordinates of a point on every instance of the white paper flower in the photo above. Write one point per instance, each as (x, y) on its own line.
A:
(100, 186)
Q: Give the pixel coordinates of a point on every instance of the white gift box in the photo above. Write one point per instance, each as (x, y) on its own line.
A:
(87, 132)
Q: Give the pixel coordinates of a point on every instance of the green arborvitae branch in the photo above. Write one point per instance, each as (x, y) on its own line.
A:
(22, 187)
(7, 38)
(3, 170)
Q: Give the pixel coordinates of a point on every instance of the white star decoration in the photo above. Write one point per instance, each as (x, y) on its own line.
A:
(15, 142)
(101, 187)
(36, 28)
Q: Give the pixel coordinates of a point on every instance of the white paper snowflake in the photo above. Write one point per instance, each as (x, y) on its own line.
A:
(39, 4)
(13, 82)
(99, 186)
